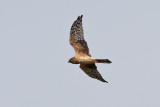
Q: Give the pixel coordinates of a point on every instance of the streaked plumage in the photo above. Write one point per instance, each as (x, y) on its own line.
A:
(82, 55)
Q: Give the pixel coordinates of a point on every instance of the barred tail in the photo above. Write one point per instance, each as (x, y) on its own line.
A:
(102, 61)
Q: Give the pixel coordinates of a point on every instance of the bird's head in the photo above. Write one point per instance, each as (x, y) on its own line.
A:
(73, 61)
(70, 60)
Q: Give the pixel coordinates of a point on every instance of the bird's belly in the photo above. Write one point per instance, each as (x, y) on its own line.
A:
(85, 59)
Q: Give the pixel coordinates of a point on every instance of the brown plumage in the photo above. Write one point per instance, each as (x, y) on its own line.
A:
(82, 55)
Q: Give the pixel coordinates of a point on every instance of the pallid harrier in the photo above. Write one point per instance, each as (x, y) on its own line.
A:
(82, 56)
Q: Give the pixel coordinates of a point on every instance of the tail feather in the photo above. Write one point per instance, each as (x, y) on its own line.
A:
(102, 61)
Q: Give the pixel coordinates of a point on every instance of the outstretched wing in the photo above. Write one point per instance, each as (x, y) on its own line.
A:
(77, 37)
(91, 70)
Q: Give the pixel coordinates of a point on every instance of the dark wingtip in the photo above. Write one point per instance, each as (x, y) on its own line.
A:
(80, 17)
(104, 80)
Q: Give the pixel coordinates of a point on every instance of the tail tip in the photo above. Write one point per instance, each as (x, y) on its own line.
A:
(108, 61)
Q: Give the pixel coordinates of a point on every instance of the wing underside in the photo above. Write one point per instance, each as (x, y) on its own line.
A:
(91, 71)
(77, 37)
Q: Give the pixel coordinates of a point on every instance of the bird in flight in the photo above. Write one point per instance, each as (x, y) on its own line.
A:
(82, 55)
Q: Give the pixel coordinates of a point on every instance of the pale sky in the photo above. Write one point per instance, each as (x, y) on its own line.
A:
(34, 53)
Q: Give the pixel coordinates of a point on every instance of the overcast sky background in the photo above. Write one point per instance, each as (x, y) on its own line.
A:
(34, 53)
